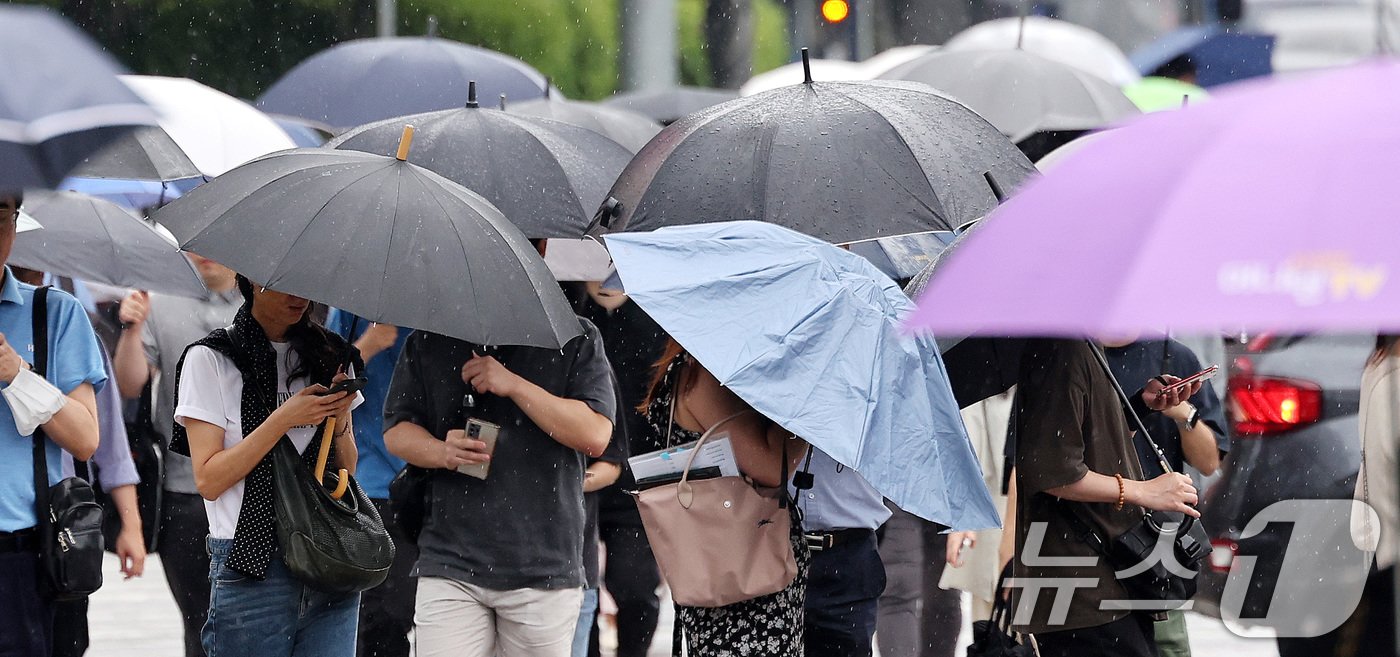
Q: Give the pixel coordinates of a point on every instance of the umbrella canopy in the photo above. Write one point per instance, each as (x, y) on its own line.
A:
(628, 128)
(669, 105)
(59, 99)
(809, 335)
(93, 240)
(842, 161)
(1061, 41)
(1155, 94)
(1227, 214)
(1019, 92)
(1220, 54)
(547, 177)
(140, 169)
(369, 80)
(904, 256)
(217, 131)
(384, 239)
(834, 70)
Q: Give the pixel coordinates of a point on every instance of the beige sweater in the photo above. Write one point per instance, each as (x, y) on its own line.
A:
(1380, 437)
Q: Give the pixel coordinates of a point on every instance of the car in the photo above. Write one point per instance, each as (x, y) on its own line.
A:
(1293, 404)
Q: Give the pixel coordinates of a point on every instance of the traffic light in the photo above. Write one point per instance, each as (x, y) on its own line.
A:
(835, 11)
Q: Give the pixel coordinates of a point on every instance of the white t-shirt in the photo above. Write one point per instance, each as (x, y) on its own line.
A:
(221, 405)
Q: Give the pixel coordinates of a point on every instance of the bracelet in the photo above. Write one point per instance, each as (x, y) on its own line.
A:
(1122, 493)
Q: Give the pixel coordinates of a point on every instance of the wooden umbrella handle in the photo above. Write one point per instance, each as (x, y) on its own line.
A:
(341, 485)
(325, 453)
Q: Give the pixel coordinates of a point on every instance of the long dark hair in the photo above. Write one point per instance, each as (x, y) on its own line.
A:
(1385, 344)
(669, 354)
(316, 352)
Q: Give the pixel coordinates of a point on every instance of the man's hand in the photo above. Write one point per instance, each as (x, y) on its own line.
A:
(131, 552)
(1172, 492)
(460, 450)
(134, 309)
(10, 362)
(376, 339)
(1156, 397)
(487, 375)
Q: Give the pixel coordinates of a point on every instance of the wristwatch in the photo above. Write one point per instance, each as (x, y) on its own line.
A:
(1193, 419)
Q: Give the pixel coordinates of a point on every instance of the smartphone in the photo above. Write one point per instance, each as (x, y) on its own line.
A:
(487, 433)
(351, 386)
(1198, 376)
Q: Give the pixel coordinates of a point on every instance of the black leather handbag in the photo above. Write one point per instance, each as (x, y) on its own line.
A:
(69, 519)
(994, 638)
(331, 545)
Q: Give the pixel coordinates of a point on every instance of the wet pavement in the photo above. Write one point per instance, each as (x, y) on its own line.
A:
(137, 618)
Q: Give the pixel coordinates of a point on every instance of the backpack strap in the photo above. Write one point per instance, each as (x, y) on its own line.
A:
(40, 334)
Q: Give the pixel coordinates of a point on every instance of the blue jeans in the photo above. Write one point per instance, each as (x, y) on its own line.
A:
(274, 617)
(585, 622)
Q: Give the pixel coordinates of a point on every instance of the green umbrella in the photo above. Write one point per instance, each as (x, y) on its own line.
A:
(1154, 94)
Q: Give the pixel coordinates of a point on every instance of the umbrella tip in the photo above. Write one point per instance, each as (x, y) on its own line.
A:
(432, 25)
(405, 142)
(1021, 27)
(995, 186)
(806, 67)
(548, 82)
(1185, 100)
(471, 93)
(503, 102)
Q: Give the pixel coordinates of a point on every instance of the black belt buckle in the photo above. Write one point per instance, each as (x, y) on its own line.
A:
(820, 541)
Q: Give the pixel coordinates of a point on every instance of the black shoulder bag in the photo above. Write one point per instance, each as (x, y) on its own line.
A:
(68, 517)
(1163, 580)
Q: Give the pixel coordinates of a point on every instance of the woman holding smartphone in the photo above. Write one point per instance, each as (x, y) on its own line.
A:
(684, 401)
(242, 390)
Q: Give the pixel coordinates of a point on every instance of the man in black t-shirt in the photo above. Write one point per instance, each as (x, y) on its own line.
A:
(500, 569)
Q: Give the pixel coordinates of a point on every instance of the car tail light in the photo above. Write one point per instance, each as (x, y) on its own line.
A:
(1267, 405)
(1222, 554)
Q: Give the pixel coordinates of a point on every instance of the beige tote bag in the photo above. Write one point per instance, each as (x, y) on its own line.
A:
(718, 541)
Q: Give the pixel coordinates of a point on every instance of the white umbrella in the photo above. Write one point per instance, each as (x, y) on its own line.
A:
(1057, 40)
(823, 70)
(217, 131)
(885, 60)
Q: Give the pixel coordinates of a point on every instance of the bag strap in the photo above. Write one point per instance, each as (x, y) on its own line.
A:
(685, 493)
(40, 335)
(1128, 408)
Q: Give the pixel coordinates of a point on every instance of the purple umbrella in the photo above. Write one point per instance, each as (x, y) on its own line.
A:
(1277, 206)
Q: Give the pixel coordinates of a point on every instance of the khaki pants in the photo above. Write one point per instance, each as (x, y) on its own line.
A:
(460, 620)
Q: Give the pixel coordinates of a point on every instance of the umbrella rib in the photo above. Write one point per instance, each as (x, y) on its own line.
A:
(291, 244)
(940, 212)
(393, 224)
(111, 243)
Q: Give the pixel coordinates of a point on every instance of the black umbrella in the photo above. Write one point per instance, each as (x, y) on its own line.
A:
(547, 177)
(368, 80)
(625, 127)
(669, 105)
(59, 98)
(384, 239)
(91, 239)
(841, 161)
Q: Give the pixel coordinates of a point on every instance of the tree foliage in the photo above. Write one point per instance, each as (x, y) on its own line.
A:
(242, 47)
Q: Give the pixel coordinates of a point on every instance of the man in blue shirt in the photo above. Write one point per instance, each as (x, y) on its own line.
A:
(840, 513)
(386, 611)
(75, 369)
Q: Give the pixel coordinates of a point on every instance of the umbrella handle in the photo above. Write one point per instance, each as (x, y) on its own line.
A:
(325, 452)
(342, 484)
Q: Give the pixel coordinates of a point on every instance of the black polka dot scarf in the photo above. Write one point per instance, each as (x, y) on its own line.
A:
(245, 343)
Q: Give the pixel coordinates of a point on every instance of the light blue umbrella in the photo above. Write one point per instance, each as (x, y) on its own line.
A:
(809, 335)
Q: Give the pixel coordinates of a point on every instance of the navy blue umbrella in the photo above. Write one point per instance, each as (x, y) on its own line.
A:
(368, 80)
(60, 98)
(1220, 55)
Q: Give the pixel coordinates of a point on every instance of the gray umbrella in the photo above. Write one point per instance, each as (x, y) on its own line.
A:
(368, 80)
(59, 98)
(669, 105)
(91, 239)
(547, 177)
(841, 161)
(384, 239)
(1020, 93)
(625, 127)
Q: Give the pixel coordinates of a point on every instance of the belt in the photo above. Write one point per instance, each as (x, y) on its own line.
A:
(826, 540)
(24, 540)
